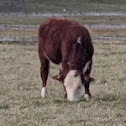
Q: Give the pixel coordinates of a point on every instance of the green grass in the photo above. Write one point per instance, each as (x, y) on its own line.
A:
(22, 20)
(20, 82)
(85, 20)
(74, 6)
(20, 85)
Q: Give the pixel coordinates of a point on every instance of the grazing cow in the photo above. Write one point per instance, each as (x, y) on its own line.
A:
(67, 42)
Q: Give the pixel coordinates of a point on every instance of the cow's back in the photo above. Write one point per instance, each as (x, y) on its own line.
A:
(77, 46)
(51, 35)
(53, 26)
(57, 37)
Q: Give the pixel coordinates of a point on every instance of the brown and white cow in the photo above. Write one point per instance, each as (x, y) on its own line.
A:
(67, 42)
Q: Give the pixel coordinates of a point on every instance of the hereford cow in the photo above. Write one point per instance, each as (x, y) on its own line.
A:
(67, 42)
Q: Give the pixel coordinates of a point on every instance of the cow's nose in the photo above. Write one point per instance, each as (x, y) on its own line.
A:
(73, 99)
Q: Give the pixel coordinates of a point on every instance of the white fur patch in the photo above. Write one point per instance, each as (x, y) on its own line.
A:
(86, 67)
(70, 77)
(79, 40)
(87, 97)
(72, 83)
(43, 92)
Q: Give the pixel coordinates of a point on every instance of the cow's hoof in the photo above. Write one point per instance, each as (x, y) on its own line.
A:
(87, 97)
(43, 92)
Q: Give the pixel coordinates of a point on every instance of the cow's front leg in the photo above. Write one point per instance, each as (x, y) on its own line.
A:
(60, 78)
(44, 73)
(65, 93)
(87, 95)
(64, 72)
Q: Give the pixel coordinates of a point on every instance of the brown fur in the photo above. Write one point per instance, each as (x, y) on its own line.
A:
(58, 43)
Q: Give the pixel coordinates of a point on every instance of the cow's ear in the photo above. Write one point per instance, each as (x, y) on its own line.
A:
(92, 79)
(88, 78)
(58, 77)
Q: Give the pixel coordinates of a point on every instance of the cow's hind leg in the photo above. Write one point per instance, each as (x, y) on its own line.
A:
(44, 73)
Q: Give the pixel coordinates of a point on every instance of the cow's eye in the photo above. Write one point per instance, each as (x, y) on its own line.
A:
(79, 87)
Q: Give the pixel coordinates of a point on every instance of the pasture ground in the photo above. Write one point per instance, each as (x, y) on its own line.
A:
(20, 82)
(28, 26)
(20, 85)
(75, 6)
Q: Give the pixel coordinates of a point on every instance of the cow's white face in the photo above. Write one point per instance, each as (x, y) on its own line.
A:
(73, 86)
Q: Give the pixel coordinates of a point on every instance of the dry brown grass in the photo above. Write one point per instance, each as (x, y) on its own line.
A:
(108, 32)
(32, 33)
(20, 85)
(25, 33)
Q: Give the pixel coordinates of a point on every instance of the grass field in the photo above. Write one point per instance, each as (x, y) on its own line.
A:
(20, 85)
(75, 6)
(32, 33)
(84, 20)
(20, 82)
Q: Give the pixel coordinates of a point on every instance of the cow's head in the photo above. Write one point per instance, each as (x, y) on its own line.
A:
(74, 85)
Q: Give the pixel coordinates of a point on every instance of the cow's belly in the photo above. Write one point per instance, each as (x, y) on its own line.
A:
(52, 51)
(54, 57)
